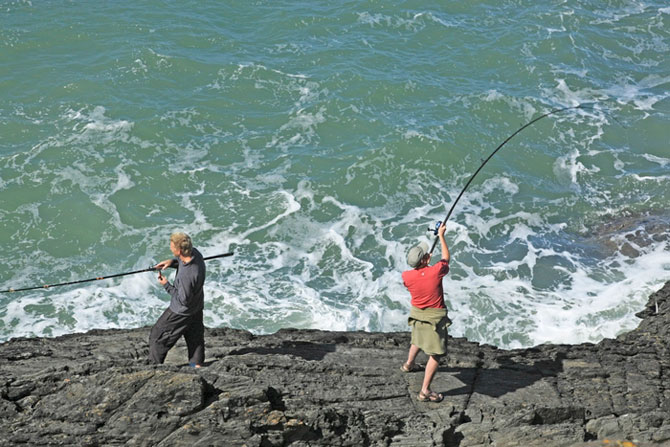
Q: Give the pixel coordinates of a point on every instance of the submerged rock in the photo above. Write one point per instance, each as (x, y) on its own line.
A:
(629, 234)
(316, 388)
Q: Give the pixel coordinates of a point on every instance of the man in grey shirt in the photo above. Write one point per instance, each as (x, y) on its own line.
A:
(184, 315)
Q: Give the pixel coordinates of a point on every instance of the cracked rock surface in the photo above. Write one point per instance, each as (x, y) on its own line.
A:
(317, 388)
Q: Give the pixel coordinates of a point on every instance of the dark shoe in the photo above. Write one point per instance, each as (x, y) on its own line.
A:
(430, 397)
(411, 368)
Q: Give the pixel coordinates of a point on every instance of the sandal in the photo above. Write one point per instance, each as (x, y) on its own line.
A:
(411, 368)
(430, 397)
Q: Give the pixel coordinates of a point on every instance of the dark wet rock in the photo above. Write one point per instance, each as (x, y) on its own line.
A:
(315, 388)
(628, 234)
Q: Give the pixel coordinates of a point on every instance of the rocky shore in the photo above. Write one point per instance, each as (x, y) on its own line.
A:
(316, 388)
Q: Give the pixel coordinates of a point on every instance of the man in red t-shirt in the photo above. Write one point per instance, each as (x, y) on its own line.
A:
(428, 314)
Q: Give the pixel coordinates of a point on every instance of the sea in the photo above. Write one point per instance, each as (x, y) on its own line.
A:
(318, 141)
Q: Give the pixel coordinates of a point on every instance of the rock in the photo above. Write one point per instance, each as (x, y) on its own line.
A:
(628, 233)
(317, 388)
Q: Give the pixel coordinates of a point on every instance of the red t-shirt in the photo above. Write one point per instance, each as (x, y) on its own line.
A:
(425, 285)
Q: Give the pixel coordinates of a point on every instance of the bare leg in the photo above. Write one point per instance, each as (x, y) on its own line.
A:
(413, 351)
(431, 369)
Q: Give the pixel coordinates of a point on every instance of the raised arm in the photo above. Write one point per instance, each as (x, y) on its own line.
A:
(443, 243)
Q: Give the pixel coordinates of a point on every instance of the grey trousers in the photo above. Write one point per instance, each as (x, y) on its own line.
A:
(167, 331)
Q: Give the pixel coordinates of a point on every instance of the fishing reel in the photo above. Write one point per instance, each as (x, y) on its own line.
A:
(437, 227)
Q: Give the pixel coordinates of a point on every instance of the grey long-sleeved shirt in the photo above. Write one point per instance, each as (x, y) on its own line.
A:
(187, 294)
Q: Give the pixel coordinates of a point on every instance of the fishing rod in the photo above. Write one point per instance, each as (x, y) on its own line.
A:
(580, 106)
(150, 269)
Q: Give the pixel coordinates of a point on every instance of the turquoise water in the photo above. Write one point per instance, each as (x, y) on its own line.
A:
(318, 141)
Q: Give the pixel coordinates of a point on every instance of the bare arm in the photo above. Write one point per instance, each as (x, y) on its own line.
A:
(443, 243)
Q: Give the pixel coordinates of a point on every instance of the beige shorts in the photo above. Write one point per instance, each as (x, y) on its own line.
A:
(430, 338)
(429, 329)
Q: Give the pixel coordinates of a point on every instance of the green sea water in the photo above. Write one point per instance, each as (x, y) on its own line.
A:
(318, 141)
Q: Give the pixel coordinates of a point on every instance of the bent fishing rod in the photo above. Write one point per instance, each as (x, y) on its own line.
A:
(150, 269)
(580, 106)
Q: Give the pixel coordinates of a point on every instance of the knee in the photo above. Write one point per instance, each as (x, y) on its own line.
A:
(154, 334)
(437, 358)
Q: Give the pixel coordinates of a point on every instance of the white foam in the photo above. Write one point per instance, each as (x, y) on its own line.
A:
(567, 168)
(638, 93)
(649, 178)
(658, 160)
(97, 121)
(377, 19)
(293, 270)
(107, 304)
(599, 311)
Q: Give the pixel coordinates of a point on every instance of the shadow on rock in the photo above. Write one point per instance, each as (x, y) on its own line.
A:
(305, 350)
(512, 375)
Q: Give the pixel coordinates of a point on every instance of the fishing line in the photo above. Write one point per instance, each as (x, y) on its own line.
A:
(150, 269)
(552, 112)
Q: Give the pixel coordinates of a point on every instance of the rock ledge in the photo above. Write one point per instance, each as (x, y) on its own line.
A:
(316, 388)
